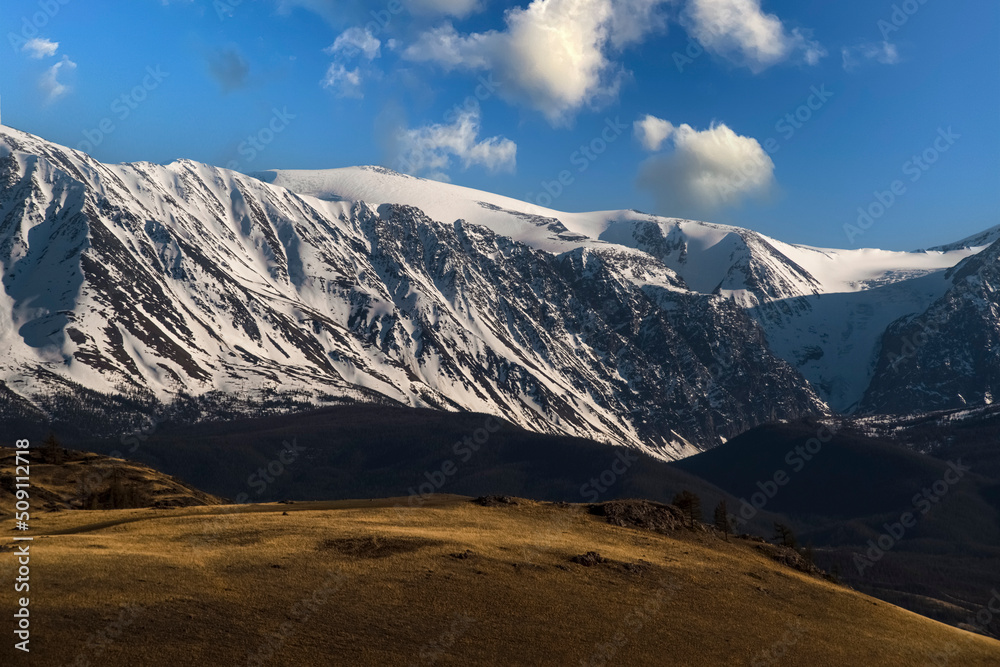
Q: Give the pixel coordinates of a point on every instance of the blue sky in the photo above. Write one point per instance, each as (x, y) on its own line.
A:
(678, 107)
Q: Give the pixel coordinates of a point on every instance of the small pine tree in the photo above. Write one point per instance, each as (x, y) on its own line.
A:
(53, 449)
(784, 536)
(690, 504)
(722, 521)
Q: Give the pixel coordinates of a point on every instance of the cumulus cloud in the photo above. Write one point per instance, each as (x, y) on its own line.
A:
(555, 56)
(40, 47)
(50, 84)
(651, 131)
(355, 42)
(707, 169)
(741, 32)
(881, 52)
(429, 150)
(229, 69)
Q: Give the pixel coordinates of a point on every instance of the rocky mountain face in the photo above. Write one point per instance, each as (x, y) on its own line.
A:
(822, 310)
(146, 285)
(949, 355)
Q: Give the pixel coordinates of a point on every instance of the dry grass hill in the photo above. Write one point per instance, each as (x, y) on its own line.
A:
(448, 582)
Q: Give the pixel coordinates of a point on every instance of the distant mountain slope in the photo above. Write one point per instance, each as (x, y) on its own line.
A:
(158, 281)
(949, 355)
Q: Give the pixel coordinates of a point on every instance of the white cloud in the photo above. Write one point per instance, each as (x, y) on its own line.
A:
(429, 150)
(740, 31)
(50, 84)
(342, 81)
(355, 42)
(334, 12)
(40, 47)
(633, 20)
(456, 8)
(881, 52)
(651, 131)
(707, 170)
(554, 55)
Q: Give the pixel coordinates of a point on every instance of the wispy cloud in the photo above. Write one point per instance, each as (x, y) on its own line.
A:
(354, 44)
(342, 81)
(429, 150)
(40, 47)
(880, 52)
(50, 84)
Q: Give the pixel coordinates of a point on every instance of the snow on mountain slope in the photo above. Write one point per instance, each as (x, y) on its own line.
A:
(823, 310)
(980, 240)
(948, 356)
(164, 281)
(705, 255)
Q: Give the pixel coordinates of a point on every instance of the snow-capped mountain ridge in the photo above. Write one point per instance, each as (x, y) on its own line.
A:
(663, 334)
(190, 279)
(823, 309)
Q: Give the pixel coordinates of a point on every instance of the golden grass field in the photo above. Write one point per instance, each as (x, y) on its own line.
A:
(368, 583)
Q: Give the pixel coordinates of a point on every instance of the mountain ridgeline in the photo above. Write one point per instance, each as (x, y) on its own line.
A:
(132, 287)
